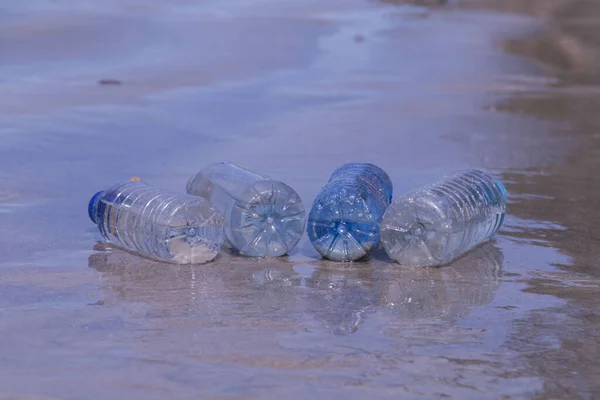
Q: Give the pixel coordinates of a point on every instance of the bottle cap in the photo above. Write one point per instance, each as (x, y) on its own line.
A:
(502, 189)
(93, 205)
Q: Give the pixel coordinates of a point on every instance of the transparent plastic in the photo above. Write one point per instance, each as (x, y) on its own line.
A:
(343, 223)
(263, 217)
(158, 224)
(436, 224)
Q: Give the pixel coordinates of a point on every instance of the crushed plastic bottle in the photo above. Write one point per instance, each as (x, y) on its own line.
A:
(435, 225)
(344, 221)
(263, 217)
(158, 224)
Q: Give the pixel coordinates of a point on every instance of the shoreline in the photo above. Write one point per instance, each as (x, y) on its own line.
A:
(566, 44)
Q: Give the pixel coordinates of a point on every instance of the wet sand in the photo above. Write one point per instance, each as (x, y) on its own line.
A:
(564, 193)
(289, 91)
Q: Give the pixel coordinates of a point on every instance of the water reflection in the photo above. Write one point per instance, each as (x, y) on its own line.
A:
(448, 292)
(337, 298)
(342, 296)
(348, 297)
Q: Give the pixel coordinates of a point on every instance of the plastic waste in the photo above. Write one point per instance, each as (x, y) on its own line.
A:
(344, 221)
(436, 224)
(158, 224)
(263, 217)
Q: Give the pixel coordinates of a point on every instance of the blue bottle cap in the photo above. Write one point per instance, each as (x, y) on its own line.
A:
(93, 205)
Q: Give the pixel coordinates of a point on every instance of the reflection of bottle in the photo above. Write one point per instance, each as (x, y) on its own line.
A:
(447, 293)
(154, 276)
(278, 276)
(436, 224)
(209, 291)
(156, 289)
(341, 297)
(343, 224)
(159, 224)
(263, 217)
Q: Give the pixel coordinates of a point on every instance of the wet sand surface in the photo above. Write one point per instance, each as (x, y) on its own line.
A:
(293, 91)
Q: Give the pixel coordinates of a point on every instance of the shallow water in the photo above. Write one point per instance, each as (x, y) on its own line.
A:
(291, 91)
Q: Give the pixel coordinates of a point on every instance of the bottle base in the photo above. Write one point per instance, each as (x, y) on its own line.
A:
(342, 225)
(268, 222)
(340, 243)
(415, 236)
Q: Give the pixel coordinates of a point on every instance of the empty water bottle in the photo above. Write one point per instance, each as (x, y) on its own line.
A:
(343, 224)
(436, 224)
(158, 224)
(263, 217)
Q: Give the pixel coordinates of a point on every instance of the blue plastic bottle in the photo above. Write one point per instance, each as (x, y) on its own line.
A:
(343, 224)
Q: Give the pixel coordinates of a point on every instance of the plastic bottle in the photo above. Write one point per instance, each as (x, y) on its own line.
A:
(158, 224)
(343, 224)
(436, 224)
(263, 217)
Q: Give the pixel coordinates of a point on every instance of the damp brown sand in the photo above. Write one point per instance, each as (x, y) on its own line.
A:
(434, 91)
(564, 192)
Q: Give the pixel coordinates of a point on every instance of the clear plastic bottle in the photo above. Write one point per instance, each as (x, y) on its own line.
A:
(343, 224)
(263, 217)
(158, 224)
(436, 224)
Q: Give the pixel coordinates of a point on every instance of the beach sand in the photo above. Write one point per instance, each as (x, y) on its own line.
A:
(292, 91)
